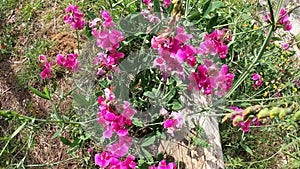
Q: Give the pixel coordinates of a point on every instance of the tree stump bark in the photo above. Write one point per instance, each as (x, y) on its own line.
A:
(196, 157)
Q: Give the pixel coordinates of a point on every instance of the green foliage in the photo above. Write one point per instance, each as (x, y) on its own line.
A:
(277, 67)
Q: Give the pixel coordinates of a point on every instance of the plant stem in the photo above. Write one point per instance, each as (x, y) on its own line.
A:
(13, 113)
(78, 44)
(51, 164)
(258, 57)
(255, 100)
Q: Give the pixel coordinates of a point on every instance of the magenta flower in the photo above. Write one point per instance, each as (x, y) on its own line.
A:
(70, 62)
(74, 17)
(199, 80)
(244, 124)
(108, 160)
(103, 160)
(119, 149)
(255, 76)
(258, 80)
(169, 123)
(111, 119)
(283, 21)
(147, 2)
(175, 120)
(90, 150)
(46, 73)
(297, 82)
(163, 165)
(285, 46)
(167, 3)
(173, 53)
(209, 77)
(128, 163)
(214, 43)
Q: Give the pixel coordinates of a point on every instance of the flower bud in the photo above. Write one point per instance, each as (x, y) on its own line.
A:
(274, 112)
(256, 109)
(237, 120)
(296, 116)
(294, 106)
(263, 113)
(247, 112)
(282, 113)
(227, 117)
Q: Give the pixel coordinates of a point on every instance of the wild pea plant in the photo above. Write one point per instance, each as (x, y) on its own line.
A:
(178, 58)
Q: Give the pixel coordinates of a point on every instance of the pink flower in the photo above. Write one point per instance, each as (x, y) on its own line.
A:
(61, 60)
(46, 73)
(147, 2)
(70, 62)
(163, 165)
(94, 22)
(109, 95)
(128, 163)
(119, 149)
(209, 77)
(74, 17)
(167, 3)
(214, 43)
(181, 36)
(285, 46)
(175, 120)
(297, 82)
(258, 80)
(90, 150)
(103, 160)
(283, 21)
(169, 123)
(112, 119)
(173, 53)
(244, 124)
(108, 160)
(255, 76)
(42, 58)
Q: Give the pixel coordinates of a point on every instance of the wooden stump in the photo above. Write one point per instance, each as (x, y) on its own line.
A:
(196, 157)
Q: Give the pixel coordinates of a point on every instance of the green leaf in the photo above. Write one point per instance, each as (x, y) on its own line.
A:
(18, 130)
(147, 155)
(206, 6)
(200, 142)
(46, 91)
(212, 22)
(35, 91)
(149, 94)
(137, 122)
(141, 162)
(58, 132)
(245, 104)
(12, 136)
(214, 6)
(247, 148)
(54, 87)
(148, 141)
(76, 142)
(65, 141)
(81, 100)
(156, 6)
(177, 105)
(195, 16)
